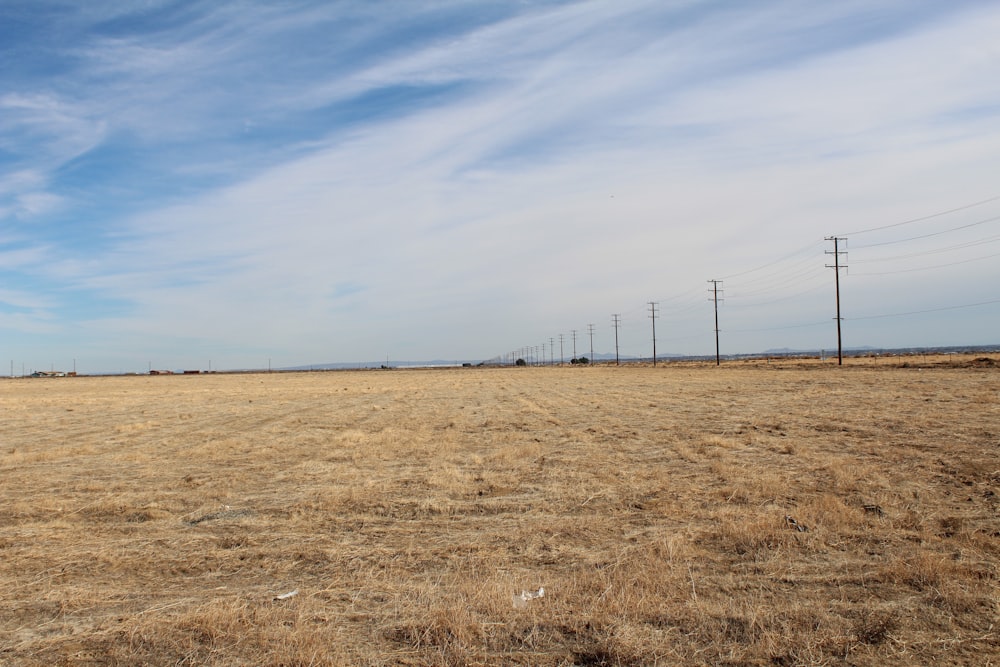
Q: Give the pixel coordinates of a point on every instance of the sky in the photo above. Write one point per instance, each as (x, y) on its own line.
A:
(231, 185)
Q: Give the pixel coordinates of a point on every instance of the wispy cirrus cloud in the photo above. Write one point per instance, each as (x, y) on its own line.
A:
(335, 180)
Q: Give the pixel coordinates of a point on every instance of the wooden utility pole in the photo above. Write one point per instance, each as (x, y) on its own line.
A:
(652, 316)
(715, 298)
(837, 252)
(590, 327)
(616, 320)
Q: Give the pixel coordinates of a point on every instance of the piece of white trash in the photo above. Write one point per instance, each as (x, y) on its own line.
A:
(285, 596)
(522, 599)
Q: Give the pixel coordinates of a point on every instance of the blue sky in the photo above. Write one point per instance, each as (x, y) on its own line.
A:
(185, 183)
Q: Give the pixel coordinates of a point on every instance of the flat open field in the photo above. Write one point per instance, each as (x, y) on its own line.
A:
(155, 520)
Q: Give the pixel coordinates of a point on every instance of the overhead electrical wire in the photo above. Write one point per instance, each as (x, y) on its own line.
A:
(925, 236)
(921, 312)
(810, 272)
(959, 246)
(808, 264)
(927, 268)
(791, 326)
(780, 259)
(779, 299)
(926, 217)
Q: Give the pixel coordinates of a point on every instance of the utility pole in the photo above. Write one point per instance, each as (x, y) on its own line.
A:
(837, 252)
(590, 327)
(574, 343)
(652, 316)
(616, 320)
(715, 298)
(561, 355)
(552, 351)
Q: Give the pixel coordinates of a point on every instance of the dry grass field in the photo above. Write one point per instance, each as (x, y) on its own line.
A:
(791, 513)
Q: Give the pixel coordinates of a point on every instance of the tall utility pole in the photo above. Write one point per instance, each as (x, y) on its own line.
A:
(552, 351)
(561, 355)
(652, 316)
(574, 343)
(837, 252)
(715, 298)
(616, 320)
(590, 328)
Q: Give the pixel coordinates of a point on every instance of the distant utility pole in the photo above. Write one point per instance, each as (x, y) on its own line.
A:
(561, 355)
(574, 343)
(552, 351)
(652, 316)
(616, 320)
(715, 298)
(590, 327)
(837, 252)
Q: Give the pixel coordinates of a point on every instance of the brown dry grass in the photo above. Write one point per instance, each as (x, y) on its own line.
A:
(153, 520)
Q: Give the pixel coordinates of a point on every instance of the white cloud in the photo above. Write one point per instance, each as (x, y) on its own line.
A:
(591, 160)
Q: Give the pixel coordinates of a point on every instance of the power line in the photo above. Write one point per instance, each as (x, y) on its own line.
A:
(790, 326)
(935, 251)
(930, 310)
(780, 299)
(808, 263)
(798, 278)
(926, 217)
(927, 268)
(781, 259)
(927, 236)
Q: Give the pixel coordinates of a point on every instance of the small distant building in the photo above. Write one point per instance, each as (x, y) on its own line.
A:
(155, 372)
(48, 374)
